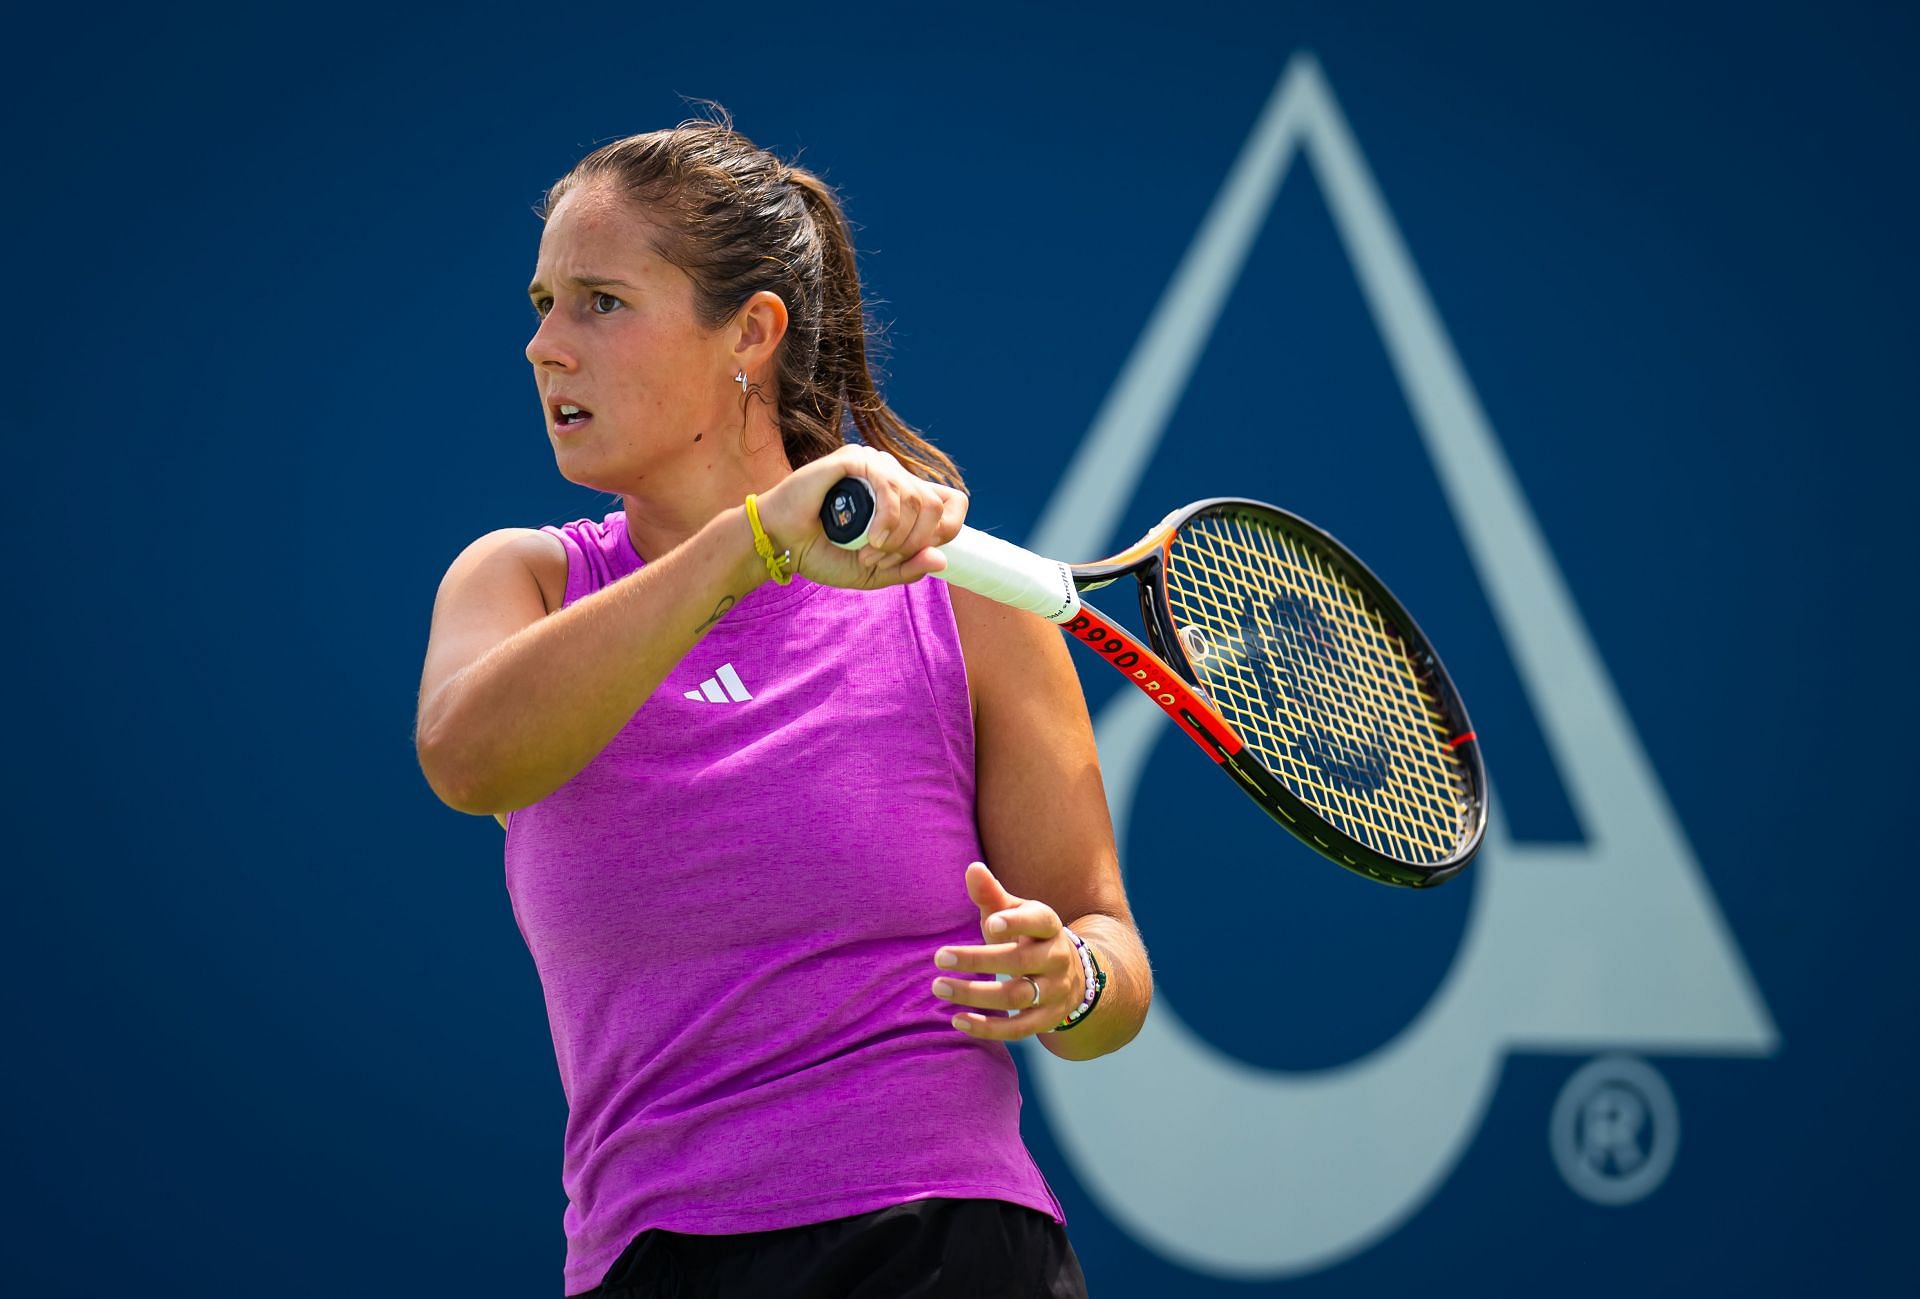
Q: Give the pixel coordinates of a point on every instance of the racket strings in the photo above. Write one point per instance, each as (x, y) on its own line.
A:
(1402, 810)
(1391, 808)
(1336, 755)
(1308, 671)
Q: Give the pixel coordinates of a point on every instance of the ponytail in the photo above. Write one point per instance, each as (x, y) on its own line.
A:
(842, 376)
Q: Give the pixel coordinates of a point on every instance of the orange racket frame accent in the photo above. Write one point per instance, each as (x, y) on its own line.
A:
(1159, 682)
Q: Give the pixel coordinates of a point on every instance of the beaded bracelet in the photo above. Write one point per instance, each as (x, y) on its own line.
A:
(1096, 983)
(780, 566)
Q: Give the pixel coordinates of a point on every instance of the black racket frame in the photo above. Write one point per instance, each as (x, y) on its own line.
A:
(1272, 794)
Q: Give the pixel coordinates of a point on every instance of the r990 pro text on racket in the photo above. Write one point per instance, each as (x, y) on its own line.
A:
(1282, 656)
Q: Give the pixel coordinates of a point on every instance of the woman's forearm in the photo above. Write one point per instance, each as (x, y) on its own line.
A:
(527, 716)
(1123, 1006)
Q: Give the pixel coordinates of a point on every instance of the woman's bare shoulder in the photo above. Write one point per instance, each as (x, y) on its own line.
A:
(540, 551)
(991, 630)
(1008, 651)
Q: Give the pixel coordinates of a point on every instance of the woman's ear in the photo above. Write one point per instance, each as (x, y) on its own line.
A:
(759, 326)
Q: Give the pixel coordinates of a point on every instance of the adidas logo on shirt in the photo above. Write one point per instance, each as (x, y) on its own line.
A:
(722, 686)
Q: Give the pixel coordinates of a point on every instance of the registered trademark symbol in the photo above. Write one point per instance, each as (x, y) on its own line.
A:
(1615, 1130)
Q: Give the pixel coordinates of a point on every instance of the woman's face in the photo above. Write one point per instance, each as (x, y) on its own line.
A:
(618, 338)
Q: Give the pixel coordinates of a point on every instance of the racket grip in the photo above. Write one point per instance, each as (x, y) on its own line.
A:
(981, 563)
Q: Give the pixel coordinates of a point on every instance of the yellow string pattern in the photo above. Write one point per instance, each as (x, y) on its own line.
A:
(1309, 672)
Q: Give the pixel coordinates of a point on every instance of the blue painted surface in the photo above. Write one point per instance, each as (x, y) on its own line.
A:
(274, 1029)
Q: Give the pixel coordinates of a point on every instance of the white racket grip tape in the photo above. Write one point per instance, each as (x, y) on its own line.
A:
(1003, 571)
(983, 564)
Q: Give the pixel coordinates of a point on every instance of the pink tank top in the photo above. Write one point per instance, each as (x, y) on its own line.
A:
(733, 910)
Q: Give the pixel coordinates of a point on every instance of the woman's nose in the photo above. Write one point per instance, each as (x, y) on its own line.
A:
(546, 347)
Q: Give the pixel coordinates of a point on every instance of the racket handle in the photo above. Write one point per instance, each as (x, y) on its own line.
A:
(983, 564)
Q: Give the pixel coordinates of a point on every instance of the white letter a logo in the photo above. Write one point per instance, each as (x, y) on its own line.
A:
(1612, 943)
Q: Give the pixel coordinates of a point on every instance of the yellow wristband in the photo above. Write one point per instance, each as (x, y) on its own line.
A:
(780, 566)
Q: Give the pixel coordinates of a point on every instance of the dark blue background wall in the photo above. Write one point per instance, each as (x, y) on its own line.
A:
(274, 1030)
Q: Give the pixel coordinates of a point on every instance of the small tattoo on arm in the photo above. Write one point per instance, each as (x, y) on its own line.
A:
(719, 611)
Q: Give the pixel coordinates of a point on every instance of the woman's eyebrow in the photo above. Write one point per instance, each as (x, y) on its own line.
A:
(584, 282)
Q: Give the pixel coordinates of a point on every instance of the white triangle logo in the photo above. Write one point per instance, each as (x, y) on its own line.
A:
(1614, 943)
(722, 687)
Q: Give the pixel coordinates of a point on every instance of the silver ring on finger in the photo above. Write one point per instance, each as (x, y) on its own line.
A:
(1036, 991)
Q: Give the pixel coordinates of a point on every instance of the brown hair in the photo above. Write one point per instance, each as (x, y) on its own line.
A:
(738, 220)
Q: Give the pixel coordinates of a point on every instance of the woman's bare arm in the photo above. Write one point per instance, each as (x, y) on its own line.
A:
(1042, 808)
(514, 702)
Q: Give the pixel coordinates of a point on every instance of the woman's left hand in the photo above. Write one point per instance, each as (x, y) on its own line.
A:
(1024, 938)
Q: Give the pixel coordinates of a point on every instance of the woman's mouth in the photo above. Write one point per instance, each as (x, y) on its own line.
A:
(568, 417)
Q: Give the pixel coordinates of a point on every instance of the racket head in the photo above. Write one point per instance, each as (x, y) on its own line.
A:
(1355, 736)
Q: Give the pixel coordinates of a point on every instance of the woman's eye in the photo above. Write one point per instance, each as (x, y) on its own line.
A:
(542, 306)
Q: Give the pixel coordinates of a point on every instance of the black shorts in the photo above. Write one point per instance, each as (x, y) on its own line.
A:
(924, 1249)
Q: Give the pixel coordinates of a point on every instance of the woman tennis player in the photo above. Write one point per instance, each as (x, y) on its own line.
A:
(749, 779)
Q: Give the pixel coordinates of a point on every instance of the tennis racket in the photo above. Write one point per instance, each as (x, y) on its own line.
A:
(1282, 656)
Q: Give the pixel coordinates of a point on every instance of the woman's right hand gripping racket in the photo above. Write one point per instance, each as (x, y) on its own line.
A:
(1284, 658)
